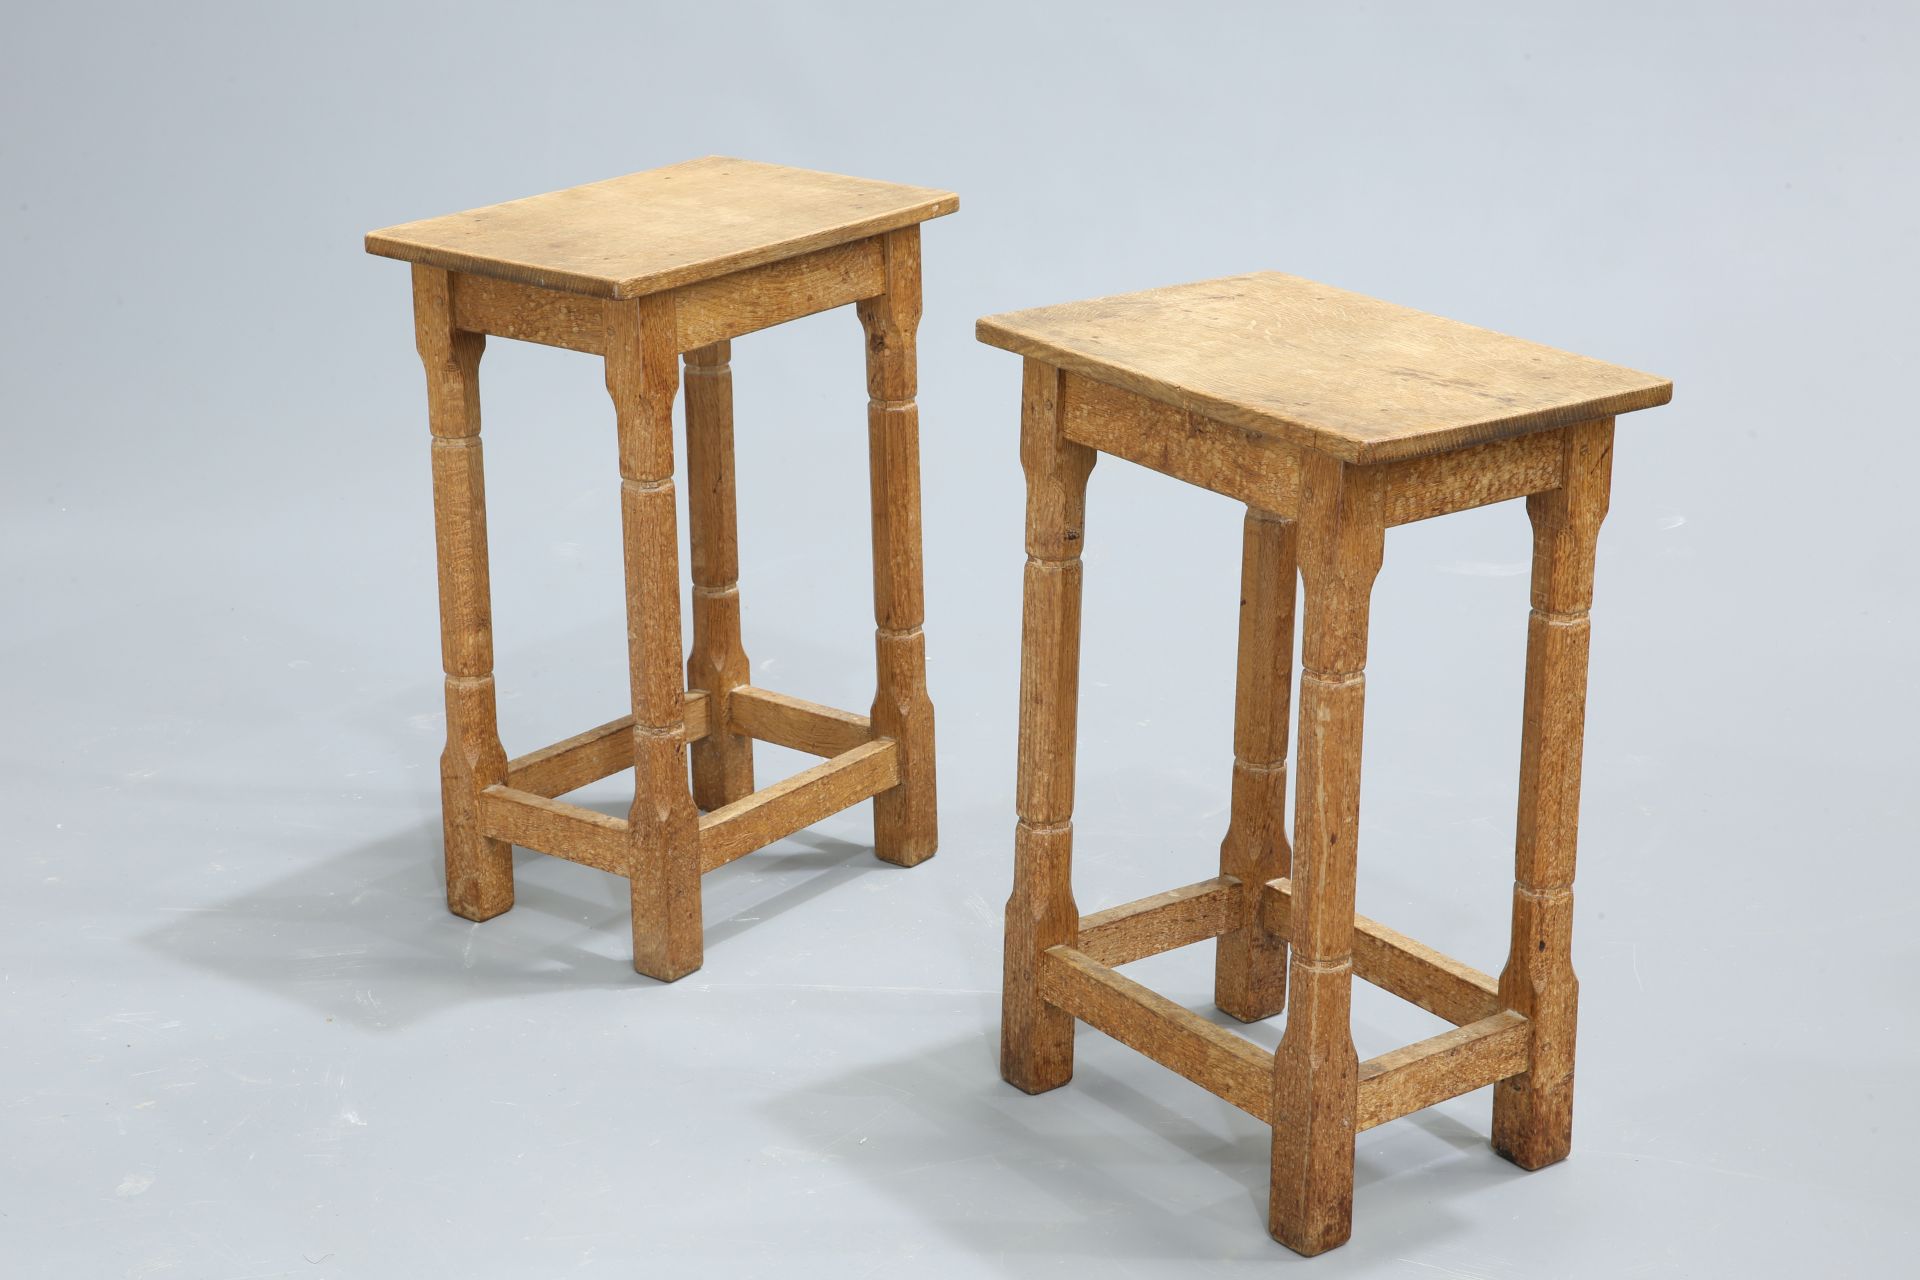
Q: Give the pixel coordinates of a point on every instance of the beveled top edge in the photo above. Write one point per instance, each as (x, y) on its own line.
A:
(1004, 330)
(403, 241)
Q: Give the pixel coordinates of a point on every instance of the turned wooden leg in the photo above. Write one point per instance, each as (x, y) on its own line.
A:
(905, 830)
(723, 760)
(1533, 1112)
(1250, 962)
(1036, 1039)
(643, 372)
(479, 870)
(1316, 1073)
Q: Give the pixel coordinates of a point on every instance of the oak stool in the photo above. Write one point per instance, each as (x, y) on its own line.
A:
(640, 270)
(1333, 417)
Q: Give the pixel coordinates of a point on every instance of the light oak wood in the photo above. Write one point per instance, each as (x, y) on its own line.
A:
(1333, 417)
(643, 375)
(1441, 1067)
(638, 271)
(723, 762)
(800, 801)
(905, 826)
(1346, 375)
(1440, 484)
(1394, 962)
(760, 297)
(795, 723)
(661, 228)
(1230, 1066)
(587, 757)
(705, 313)
(583, 835)
(1250, 961)
(1533, 1113)
(504, 309)
(1162, 921)
(1036, 1036)
(1316, 1072)
(479, 867)
(555, 827)
(1253, 468)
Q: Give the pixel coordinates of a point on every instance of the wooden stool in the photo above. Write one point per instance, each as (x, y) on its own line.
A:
(1333, 417)
(638, 270)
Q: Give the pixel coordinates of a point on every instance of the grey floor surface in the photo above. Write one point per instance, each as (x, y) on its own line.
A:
(243, 1038)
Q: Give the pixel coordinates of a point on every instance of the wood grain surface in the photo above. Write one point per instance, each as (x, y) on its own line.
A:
(905, 818)
(1334, 417)
(661, 228)
(1036, 1035)
(1533, 1113)
(479, 866)
(717, 663)
(639, 270)
(1342, 373)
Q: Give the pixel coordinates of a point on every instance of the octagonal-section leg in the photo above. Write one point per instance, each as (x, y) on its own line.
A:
(1316, 1072)
(479, 868)
(1533, 1112)
(723, 760)
(643, 374)
(1036, 1038)
(905, 821)
(1250, 962)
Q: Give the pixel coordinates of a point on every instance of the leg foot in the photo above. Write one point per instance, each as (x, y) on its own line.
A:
(479, 869)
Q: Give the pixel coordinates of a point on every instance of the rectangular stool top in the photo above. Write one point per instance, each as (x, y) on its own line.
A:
(1337, 372)
(661, 228)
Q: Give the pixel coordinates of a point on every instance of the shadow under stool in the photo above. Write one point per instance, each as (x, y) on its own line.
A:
(1333, 417)
(639, 270)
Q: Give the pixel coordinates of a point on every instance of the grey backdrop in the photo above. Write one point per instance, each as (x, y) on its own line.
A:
(243, 1038)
